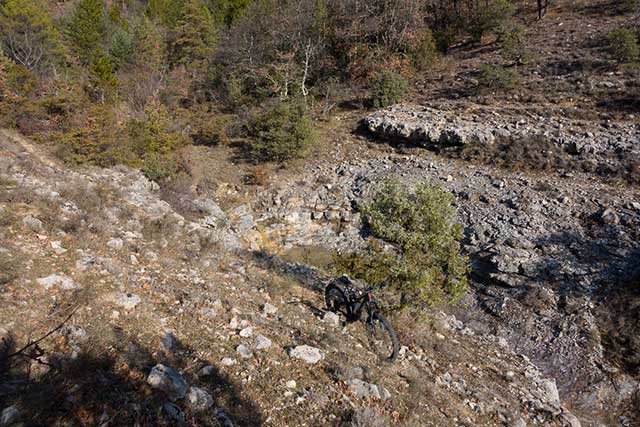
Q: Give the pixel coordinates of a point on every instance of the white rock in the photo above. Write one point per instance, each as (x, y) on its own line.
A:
(9, 416)
(174, 412)
(116, 243)
(33, 223)
(208, 312)
(551, 394)
(509, 376)
(128, 301)
(60, 280)
(367, 390)
(269, 309)
(244, 351)
(199, 400)
(331, 318)
(168, 380)
(246, 332)
(291, 384)
(307, 353)
(206, 371)
(233, 323)
(57, 247)
(262, 342)
(227, 361)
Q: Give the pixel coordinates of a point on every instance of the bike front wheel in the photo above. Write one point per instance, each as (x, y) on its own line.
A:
(382, 337)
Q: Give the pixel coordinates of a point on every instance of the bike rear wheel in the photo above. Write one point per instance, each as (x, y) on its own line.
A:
(336, 299)
(382, 338)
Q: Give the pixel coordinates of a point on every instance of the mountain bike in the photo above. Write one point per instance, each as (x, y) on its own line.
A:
(341, 296)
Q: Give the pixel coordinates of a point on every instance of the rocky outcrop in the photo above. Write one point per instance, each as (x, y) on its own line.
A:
(425, 125)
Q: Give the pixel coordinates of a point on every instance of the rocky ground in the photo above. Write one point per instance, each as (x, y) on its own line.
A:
(200, 302)
(549, 251)
(149, 318)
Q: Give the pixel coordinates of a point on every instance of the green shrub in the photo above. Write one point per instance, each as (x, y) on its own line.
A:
(195, 34)
(148, 44)
(511, 40)
(623, 44)
(283, 132)
(158, 166)
(629, 6)
(167, 11)
(445, 37)
(488, 17)
(497, 77)
(155, 132)
(387, 88)
(8, 269)
(424, 51)
(95, 141)
(207, 128)
(415, 252)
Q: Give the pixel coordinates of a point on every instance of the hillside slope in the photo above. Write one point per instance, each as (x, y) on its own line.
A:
(134, 284)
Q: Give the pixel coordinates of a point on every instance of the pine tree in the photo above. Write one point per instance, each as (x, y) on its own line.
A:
(87, 28)
(228, 11)
(147, 43)
(195, 34)
(102, 75)
(121, 47)
(27, 33)
(167, 11)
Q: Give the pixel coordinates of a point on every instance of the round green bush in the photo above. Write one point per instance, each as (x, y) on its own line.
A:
(387, 88)
(414, 254)
(623, 43)
(283, 132)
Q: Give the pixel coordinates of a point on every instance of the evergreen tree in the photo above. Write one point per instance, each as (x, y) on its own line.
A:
(102, 75)
(121, 47)
(147, 43)
(27, 33)
(167, 11)
(87, 28)
(228, 11)
(195, 34)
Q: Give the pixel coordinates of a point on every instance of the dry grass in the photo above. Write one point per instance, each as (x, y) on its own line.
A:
(9, 268)
(539, 154)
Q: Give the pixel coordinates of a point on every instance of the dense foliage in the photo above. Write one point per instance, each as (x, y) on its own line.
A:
(414, 253)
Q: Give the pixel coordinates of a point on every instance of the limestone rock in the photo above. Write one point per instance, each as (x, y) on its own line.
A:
(367, 390)
(62, 281)
(128, 301)
(168, 380)
(262, 342)
(199, 400)
(311, 355)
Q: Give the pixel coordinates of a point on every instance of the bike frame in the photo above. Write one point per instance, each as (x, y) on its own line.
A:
(358, 303)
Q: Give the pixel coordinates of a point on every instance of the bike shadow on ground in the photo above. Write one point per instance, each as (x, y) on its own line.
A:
(307, 276)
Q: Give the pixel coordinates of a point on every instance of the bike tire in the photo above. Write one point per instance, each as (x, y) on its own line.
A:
(335, 299)
(378, 320)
